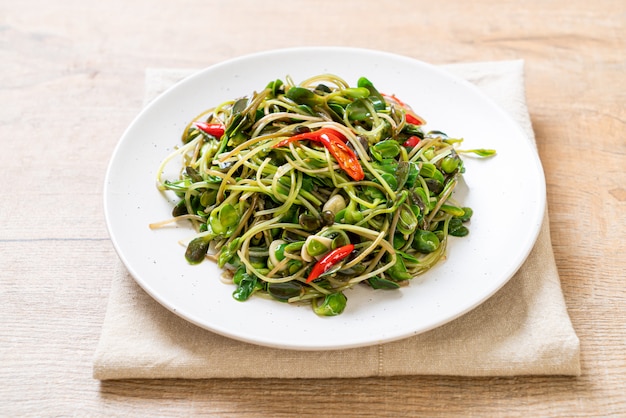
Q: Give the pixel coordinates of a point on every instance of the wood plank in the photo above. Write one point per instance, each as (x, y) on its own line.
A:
(71, 80)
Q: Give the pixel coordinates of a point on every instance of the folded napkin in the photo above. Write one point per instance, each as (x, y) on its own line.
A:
(523, 329)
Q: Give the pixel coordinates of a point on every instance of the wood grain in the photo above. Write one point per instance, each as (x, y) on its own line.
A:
(71, 80)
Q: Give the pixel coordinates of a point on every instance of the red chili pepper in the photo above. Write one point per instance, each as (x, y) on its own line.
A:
(345, 156)
(414, 119)
(334, 143)
(411, 117)
(329, 260)
(393, 98)
(312, 136)
(214, 129)
(411, 141)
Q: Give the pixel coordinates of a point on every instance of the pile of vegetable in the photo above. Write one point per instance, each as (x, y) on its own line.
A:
(300, 192)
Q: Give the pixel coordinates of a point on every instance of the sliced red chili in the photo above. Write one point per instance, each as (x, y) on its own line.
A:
(393, 98)
(411, 141)
(414, 119)
(411, 117)
(329, 260)
(312, 136)
(345, 156)
(334, 142)
(213, 129)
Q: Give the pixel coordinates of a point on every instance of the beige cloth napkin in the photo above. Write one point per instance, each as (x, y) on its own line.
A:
(523, 329)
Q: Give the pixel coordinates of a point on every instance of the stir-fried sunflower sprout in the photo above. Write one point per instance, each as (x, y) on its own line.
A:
(300, 192)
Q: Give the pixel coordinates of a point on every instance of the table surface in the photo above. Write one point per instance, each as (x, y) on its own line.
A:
(71, 80)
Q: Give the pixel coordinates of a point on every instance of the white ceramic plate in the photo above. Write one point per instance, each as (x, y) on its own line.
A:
(507, 194)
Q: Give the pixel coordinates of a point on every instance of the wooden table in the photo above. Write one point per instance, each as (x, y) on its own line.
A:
(71, 80)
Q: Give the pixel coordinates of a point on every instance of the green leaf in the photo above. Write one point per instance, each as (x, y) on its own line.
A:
(408, 257)
(402, 174)
(227, 252)
(303, 96)
(285, 291)
(456, 228)
(357, 110)
(425, 241)
(180, 208)
(412, 176)
(390, 179)
(197, 249)
(375, 97)
(248, 284)
(407, 221)
(332, 305)
(380, 283)
(275, 86)
(481, 152)
(385, 149)
(356, 92)
(467, 214)
(228, 215)
(398, 271)
(429, 170)
(449, 164)
(452, 210)
(223, 219)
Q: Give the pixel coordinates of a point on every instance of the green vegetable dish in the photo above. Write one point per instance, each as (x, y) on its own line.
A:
(303, 191)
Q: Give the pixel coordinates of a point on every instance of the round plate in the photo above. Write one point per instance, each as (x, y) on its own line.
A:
(507, 194)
